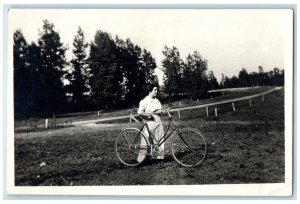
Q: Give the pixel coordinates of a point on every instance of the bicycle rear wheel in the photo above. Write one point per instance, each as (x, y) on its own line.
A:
(131, 147)
(189, 147)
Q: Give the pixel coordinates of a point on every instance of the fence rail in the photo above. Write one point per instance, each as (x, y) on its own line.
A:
(132, 117)
(229, 101)
(54, 123)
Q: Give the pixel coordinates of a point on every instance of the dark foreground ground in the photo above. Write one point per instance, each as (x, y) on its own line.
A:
(246, 146)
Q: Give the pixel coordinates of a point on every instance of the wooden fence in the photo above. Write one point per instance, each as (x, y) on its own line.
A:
(132, 117)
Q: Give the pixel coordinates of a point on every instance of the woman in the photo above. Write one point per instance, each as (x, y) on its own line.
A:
(150, 111)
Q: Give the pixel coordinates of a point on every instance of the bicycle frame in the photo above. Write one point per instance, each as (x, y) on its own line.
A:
(146, 144)
(164, 137)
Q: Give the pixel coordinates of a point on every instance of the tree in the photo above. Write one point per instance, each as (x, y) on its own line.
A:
(277, 78)
(21, 74)
(195, 80)
(79, 75)
(188, 78)
(138, 70)
(222, 83)
(172, 71)
(213, 83)
(254, 79)
(27, 77)
(131, 65)
(146, 73)
(244, 78)
(262, 77)
(34, 65)
(234, 82)
(53, 62)
(227, 82)
(281, 78)
(106, 71)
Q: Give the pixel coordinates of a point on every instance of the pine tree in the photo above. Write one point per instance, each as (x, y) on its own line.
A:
(53, 96)
(34, 65)
(79, 75)
(21, 73)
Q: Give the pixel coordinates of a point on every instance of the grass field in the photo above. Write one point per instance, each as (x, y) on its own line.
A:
(245, 146)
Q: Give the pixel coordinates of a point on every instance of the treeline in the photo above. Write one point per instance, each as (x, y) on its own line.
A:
(274, 77)
(190, 78)
(107, 73)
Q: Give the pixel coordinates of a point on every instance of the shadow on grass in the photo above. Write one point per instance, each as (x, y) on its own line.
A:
(150, 162)
(209, 160)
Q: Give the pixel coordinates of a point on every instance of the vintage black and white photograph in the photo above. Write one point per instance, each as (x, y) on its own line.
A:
(189, 101)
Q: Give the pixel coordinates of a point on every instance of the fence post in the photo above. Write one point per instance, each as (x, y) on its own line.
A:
(54, 119)
(133, 118)
(98, 113)
(233, 107)
(263, 98)
(46, 123)
(178, 114)
(216, 112)
(207, 111)
(130, 118)
(223, 93)
(250, 102)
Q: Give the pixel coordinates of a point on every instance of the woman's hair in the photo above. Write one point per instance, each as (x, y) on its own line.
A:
(151, 86)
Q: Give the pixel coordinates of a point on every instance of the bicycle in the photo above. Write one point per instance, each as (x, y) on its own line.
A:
(188, 145)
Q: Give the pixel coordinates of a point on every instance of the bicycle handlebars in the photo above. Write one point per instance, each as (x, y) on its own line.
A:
(167, 110)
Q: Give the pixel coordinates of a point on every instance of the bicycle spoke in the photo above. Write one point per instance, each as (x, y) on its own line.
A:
(126, 137)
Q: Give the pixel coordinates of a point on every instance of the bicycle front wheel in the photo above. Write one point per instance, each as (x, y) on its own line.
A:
(131, 147)
(189, 147)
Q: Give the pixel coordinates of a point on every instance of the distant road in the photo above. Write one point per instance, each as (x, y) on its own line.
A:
(100, 120)
(183, 108)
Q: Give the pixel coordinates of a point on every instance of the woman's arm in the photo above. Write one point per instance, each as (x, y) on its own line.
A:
(159, 111)
(146, 115)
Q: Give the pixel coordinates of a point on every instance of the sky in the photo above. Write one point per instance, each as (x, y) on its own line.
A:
(228, 39)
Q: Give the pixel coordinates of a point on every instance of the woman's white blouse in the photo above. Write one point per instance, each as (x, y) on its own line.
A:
(148, 105)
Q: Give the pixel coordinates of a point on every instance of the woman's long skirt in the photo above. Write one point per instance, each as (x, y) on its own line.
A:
(156, 128)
